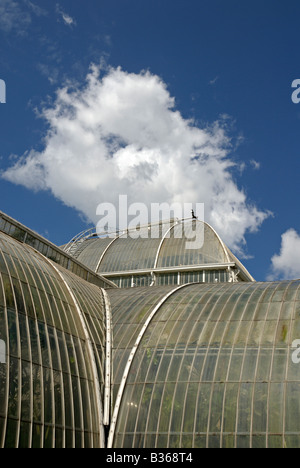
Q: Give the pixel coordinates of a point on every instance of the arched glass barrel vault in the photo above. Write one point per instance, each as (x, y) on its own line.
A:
(213, 368)
(158, 255)
(179, 366)
(52, 323)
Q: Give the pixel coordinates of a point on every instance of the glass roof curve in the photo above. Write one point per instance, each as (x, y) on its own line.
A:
(51, 380)
(174, 244)
(194, 365)
(213, 368)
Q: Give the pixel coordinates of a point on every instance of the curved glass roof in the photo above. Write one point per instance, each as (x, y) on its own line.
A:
(28, 237)
(49, 385)
(213, 368)
(165, 245)
(208, 249)
(192, 365)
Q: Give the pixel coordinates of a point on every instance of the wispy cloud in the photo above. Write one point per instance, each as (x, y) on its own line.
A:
(255, 164)
(50, 72)
(67, 19)
(121, 134)
(13, 18)
(212, 82)
(16, 16)
(36, 9)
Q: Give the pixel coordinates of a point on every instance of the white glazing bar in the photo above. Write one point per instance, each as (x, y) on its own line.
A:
(102, 256)
(129, 363)
(89, 349)
(107, 389)
(161, 243)
(175, 269)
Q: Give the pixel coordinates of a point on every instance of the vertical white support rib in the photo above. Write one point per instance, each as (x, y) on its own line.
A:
(89, 349)
(108, 356)
(102, 256)
(129, 363)
(161, 243)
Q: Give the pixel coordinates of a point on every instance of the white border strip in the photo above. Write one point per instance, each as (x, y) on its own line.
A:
(161, 244)
(108, 347)
(102, 255)
(89, 348)
(129, 363)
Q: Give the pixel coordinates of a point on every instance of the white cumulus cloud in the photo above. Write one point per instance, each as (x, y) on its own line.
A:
(286, 264)
(121, 133)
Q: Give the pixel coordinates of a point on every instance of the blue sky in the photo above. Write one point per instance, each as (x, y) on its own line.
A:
(212, 78)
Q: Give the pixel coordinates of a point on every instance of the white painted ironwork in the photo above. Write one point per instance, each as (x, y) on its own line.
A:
(89, 350)
(102, 256)
(161, 243)
(108, 358)
(73, 245)
(129, 363)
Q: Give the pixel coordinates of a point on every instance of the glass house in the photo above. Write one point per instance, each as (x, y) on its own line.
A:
(173, 252)
(192, 363)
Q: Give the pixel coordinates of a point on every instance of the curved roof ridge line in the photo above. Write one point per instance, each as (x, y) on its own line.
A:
(228, 253)
(108, 359)
(89, 345)
(105, 250)
(181, 221)
(126, 231)
(130, 361)
(240, 264)
(162, 241)
(225, 248)
(178, 221)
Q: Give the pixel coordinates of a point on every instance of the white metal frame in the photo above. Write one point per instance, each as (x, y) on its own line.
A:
(108, 358)
(230, 263)
(129, 363)
(89, 349)
(102, 256)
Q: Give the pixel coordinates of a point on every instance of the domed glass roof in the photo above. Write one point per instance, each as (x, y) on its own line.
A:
(173, 244)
